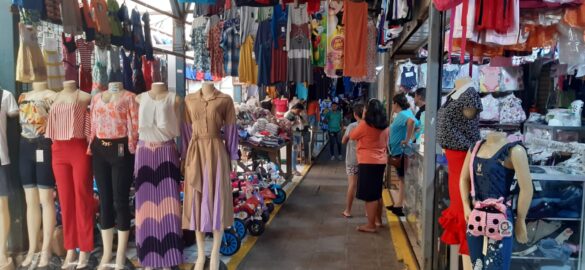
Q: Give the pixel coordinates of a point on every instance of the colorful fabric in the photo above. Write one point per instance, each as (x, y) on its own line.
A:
(335, 39)
(319, 36)
(68, 121)
(230, 43)
(34, 111)
(115, 119)
(489, 79)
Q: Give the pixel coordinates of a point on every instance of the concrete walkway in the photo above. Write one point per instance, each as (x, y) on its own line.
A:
(310, 233)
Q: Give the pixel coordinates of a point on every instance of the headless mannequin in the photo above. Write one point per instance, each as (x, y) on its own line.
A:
(68, 95)
(208, 90)
(5, 261)
(115, 90)
(518, 161)
(44, 198)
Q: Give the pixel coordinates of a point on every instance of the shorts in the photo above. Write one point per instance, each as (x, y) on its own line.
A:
(351, 170)
(400, 171)
(370, 182)
(4, 176)
(36, 171)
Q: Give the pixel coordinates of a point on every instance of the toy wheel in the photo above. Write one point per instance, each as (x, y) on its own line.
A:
(240, 228)
(256, 227)
(270, 207)
(265, 216)
(230, 244)
(280, 196)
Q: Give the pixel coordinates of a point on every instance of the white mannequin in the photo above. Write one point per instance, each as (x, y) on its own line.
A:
(159, 91)
(5, 261)
(208, 90)
(115, 90)
(71, 94)
(36, 197)
(518, 161)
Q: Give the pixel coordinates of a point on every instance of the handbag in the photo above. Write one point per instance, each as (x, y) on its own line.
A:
(488, 217)
(396, 161)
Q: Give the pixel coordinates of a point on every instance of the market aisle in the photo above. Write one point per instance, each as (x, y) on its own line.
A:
(310, 233)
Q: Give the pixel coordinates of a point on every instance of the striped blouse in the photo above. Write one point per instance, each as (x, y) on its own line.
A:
(68, 121)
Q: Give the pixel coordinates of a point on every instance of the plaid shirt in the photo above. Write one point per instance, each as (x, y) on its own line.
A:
(230, 43)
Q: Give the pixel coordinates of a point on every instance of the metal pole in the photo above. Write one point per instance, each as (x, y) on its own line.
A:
(179, 49)
(433, 99)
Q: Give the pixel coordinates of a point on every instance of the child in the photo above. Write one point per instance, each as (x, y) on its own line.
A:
(351, 164)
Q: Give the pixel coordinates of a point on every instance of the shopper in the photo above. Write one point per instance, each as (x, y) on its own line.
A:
(351, 164)
(419, 101)
(293, 115)
(371, 136)
(334, 120)
(401, 130)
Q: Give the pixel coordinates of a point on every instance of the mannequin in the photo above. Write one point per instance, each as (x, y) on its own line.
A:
(280, 106)
(8, 108)
(35, 169)
(111, 148)
(457, 131)
(157, 179)
(204, 178)
(486, 167)
(72, 170)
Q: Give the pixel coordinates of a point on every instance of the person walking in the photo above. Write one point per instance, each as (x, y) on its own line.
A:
(371, 136)
(401, 130)
(334, 120)
(293, 115)
(351, 164)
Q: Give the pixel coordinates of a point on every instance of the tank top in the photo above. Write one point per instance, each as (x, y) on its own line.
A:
(68, 121)
(157, 119)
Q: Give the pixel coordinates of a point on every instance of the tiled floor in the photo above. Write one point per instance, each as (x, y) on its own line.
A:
(310, 232)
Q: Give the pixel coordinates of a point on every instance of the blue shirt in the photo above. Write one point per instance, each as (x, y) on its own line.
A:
(398, 131)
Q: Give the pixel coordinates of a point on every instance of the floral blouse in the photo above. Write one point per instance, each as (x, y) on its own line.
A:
(115, 119)
(34, 112)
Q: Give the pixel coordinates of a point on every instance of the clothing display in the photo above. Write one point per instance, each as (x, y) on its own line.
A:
(298, 44)
(69, 51)
(115, 119)
(85, 49)
(491, 109)
(30, 65)
(100, 69)
(148, 49)
(138, 78)
(114, 69)
(208, 195)
(100, 13)
(55, 72)
(199, 42)
(247, 67)
(450, 73)
(355, 19)
(263, 51)
(72, 18)
(216, 52)
(335, 39)
(230, 44)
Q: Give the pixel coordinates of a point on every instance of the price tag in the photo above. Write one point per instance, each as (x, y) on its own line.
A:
(40, 156)
(409, 74)
(120, 150)
(537, 186)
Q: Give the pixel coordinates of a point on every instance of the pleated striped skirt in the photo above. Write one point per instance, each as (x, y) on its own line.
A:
(158, 206)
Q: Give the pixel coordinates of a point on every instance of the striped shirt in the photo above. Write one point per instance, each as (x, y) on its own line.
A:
(85, 51)
(68, 121)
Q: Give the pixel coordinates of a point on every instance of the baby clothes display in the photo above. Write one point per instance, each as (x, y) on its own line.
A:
(512, 79)
(30, 66)
(408, 74)
(511, 111)
(489, 79)
(55, 72)
(450, 72)
(491, 109)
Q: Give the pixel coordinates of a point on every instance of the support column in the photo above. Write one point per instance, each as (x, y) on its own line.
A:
(433, 99)
(179, 47)
(17, 241)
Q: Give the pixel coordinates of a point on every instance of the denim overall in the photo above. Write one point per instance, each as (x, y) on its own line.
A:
(492, 181)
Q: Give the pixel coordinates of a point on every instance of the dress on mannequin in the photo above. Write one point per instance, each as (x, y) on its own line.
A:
(456, 133)
(208, 205)
(157, 174)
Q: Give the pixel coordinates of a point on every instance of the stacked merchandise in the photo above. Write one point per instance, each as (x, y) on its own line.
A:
(260, 128)
(103, 34)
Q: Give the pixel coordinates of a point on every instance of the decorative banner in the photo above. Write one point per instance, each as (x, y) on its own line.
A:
(335, 39)
(319, 35)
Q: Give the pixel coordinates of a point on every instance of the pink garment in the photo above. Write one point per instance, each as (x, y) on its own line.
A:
(489, 79)
(511, 37)
(281, 106)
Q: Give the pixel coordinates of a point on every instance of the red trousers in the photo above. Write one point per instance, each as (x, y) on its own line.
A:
(72, 169)
(453, 219)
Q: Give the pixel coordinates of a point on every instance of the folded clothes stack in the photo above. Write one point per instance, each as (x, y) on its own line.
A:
(564, 204)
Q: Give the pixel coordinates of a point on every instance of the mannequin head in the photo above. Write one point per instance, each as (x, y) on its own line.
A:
(207, 87)
(159, 87)
(69, 86)
(40, 86)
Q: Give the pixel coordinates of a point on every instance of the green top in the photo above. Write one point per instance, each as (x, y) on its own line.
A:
(334, 120)
(115, 23)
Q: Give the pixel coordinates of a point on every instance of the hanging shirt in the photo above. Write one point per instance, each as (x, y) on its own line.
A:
(355, 19)
(489, 79)
(100, 12)
(137, 34)
(230, 43)
(450, 72)
(263, 51)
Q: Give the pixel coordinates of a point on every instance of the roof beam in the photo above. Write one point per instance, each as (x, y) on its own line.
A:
(176, 8)
(422, 14)
(163, 12)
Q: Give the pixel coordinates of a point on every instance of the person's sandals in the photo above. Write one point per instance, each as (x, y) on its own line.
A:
(364, 229)
(346, 215)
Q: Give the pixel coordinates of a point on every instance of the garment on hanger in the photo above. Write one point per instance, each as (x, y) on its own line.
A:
(335, 39)
(85, 76)
(319, 35)
(157, 173)
(127, 70)
(147, 71)
(100, 13)
(511, 111)
(208, 192)
(148, 50)
(69, 49)
(298, 44)
(248, 21)
(72, 18)
(114, 69)
(55, 72)
(87, 21)
(29, 63)
(215, 51)
(422, 75)
(489, 79)
(100, 69)
(137, 76)
(124, 18)
(355, 19)
(137, 33)
(156, 70)
(230, 44)
(247, 68)
(449, 76)
(115, 23)
(512, 30)
(371, 56)
(263, 51)
(199, 42)
(491, 109)
(279, 58)
(408, 76)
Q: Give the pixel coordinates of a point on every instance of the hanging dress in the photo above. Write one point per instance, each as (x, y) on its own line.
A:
(85, 51)
(71, 17)
(115, 22)
(70, 59)
(208, 202)
(87, 20)
(157, 173)
(147, 71)
(137, 34)
(123, 16)
(100, 69)
(299, 45)
(148, 50)
(55, 72)
(137, 75)
(127, 70)
(114, 69)
(30, 66)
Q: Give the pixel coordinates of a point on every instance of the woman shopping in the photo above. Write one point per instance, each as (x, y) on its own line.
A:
(402, 130)
(371, 136)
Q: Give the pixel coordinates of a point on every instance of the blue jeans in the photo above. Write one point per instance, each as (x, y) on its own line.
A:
(334, 140)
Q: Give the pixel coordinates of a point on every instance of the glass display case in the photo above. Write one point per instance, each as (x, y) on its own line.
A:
(559, 134)
(554, 222)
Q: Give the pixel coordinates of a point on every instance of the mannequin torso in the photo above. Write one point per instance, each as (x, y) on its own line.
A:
(71, 94)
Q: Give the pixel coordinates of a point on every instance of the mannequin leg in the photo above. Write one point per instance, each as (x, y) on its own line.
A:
(467, 262)
(33, 222)
(83, 259)
(107, 240)
(69, 259)
(217, 237)
(48, 206)
(122, 246)
(4, 230)
(200, 263)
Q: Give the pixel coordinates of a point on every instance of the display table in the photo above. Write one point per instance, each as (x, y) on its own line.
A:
(273, 155)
